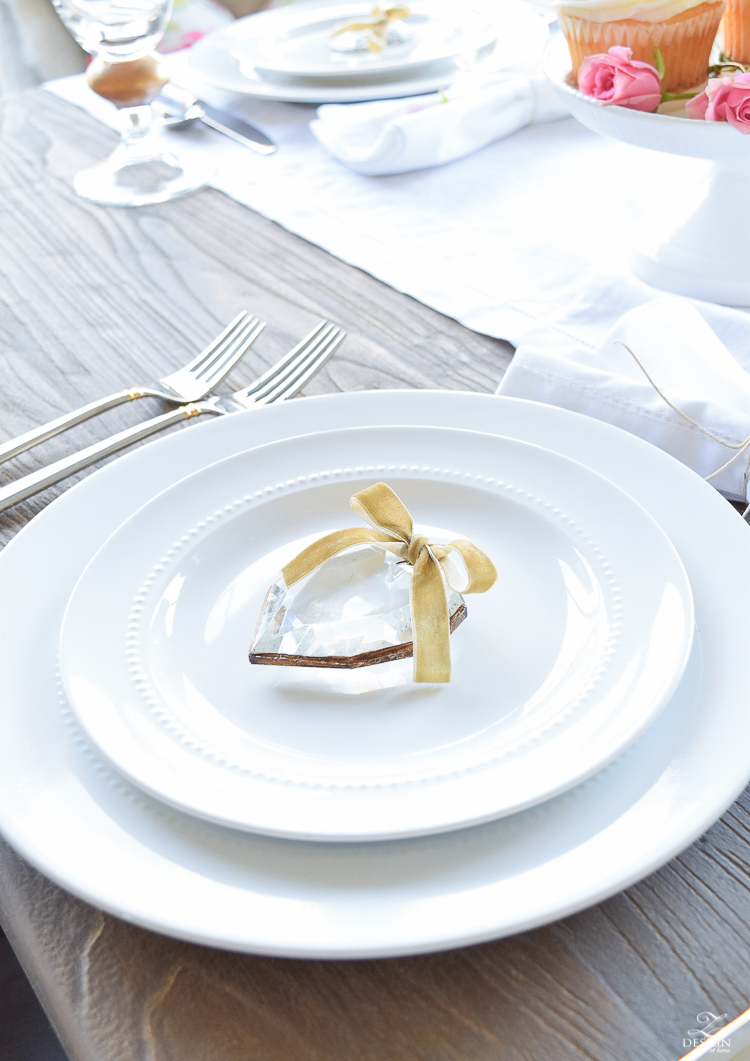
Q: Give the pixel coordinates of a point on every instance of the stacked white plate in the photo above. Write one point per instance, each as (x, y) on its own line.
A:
(148, 768)
(290, 53)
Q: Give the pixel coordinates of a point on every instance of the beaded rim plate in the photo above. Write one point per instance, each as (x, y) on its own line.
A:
(82, 825)
(555, 672)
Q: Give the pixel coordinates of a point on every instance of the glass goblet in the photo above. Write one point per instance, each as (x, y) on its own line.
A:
(121, 36)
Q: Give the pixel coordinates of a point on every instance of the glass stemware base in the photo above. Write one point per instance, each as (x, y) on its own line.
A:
(119, 182)
(141, 170)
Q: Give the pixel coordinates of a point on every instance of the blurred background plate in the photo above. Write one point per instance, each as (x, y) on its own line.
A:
(219, 60)
(297, 41)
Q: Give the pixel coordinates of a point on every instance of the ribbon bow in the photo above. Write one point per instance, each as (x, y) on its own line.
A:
(377, 24)
(460, 564)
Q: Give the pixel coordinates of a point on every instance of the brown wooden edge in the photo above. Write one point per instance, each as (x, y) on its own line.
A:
(365, 659)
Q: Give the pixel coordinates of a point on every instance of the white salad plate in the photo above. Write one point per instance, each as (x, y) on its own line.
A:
(296, 41)
(558, 668)
(224, 59)
(103, 839)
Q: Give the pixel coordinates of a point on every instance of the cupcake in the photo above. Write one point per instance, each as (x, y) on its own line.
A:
(683, 30)
(735, 31)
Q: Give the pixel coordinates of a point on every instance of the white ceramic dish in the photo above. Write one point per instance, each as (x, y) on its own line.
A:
(105, 841)
(218, 59)
(557, 670)
(692, 240)
(295, 41)
(214, 59)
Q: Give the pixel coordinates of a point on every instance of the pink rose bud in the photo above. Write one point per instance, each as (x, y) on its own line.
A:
(618, 78)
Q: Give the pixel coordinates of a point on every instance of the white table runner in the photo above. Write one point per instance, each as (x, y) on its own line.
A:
(527, 240)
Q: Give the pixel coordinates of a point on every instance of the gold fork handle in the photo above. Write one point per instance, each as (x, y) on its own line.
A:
(40, 434)
(23, 488)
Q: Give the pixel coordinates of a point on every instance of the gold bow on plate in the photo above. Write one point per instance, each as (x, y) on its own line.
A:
(460, 564)
(377, 24)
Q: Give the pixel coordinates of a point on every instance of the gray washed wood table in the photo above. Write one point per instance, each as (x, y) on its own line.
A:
(92, 300)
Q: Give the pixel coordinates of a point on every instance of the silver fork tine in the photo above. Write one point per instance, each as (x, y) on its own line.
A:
(311, 355)
(221, 351)
(181, 386)
(301, 348)
(234, 351)
(293, 382)
(288, 387)
(205, 354)
(321, 359)
(313, 344)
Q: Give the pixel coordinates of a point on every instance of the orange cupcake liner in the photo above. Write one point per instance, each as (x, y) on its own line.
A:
(685, 41)
(735, 31)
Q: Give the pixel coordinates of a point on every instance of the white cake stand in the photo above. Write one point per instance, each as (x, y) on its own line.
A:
(698, 242)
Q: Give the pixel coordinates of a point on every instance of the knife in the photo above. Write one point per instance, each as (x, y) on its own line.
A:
(180, 108)
(239, 130)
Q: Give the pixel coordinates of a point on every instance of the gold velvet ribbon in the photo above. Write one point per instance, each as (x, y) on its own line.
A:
(460, 564)
(377, 24)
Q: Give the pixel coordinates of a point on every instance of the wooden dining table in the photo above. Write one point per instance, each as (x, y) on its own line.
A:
(93, 300)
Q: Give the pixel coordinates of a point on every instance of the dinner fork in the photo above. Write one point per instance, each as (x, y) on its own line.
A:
(188, 384)
(284, 380)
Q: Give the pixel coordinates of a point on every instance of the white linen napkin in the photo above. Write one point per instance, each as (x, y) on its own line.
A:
(397, 136)
(686, 362)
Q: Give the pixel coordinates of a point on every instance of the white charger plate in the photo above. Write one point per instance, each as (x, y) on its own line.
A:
(220, 60)
(294, 41)
(73, 818)
(558, 669)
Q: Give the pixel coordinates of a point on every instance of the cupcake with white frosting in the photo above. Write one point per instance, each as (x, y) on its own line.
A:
(682, 30)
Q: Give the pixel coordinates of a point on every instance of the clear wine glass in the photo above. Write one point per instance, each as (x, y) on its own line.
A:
(121, 36)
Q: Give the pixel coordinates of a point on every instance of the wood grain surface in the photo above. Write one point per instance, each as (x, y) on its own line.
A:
(92, 300)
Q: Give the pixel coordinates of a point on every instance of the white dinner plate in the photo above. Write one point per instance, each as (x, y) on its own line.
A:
(101, 838)
(221, 59)
(558, 668)
(296, 41)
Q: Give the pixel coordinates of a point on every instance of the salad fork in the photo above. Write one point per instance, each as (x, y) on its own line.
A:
(188, 384)
(284, 380)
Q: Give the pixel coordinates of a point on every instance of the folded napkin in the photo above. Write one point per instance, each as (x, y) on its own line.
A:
(395, 136)
(701, 416)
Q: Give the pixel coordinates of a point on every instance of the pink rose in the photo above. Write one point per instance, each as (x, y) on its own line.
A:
(190, 38)
(697, 106)
(618, 78)
(725, 99)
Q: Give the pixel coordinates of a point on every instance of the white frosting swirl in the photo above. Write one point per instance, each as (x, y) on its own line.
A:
(615, 10)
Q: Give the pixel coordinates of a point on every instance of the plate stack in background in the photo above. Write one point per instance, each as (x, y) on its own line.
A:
(304, 53)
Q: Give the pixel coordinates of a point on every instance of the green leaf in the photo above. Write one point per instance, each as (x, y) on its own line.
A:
(658, 61)
(727, 68)
(667, 97)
